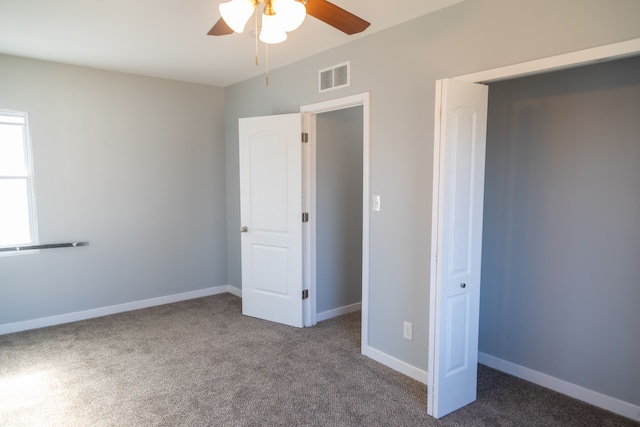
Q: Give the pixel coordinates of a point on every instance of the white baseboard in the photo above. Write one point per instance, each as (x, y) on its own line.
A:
(398, 365)
(113, 309)
(235, 291)
(609, 403)
(329, 314)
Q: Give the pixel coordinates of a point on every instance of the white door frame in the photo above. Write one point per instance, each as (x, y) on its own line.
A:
(554, 63)
(309, 113)
(612, 51)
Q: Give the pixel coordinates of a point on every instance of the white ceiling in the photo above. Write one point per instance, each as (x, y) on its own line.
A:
(168, 38)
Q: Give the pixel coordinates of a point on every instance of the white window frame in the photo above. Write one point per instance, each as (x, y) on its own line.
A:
(29, 179)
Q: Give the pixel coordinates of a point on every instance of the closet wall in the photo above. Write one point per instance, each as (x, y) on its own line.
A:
(561, 241)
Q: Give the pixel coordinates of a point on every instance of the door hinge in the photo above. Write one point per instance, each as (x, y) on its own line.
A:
(305, 137)
(305, 216)
(305, 294)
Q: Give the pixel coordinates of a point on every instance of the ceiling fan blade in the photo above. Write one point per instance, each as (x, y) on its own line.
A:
(336, 16)
(220, 29)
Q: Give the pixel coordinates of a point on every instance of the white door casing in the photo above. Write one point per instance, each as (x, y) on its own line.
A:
(271, 210)
(459, 159)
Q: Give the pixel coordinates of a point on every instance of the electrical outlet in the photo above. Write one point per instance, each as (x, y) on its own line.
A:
(407, 331)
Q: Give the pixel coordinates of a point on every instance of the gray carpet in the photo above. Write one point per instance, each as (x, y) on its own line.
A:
(201, 363)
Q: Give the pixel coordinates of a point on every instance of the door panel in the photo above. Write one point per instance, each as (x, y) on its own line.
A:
(269, 182)
(457, 334)
(457, 230)
(270, 209)
(269, 270)
(459, 191)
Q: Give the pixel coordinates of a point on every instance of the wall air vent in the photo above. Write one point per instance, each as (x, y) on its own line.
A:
(335, 77)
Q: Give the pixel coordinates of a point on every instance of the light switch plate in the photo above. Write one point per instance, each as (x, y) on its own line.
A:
(376, 203)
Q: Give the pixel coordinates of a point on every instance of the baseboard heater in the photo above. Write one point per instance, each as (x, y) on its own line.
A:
(48, 246)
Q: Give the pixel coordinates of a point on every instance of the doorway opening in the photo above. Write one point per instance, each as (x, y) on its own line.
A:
(338, 212)
(357, 105)
(562, 158)
(574, 59)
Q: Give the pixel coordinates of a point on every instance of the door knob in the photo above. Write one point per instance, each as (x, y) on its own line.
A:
(244, 229)
(463, 285)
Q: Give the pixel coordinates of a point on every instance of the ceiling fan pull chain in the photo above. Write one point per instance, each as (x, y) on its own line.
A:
(267, 61)
(256, 31)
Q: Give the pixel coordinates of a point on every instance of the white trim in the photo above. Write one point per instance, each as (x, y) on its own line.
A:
(337, 104)
(340, 311)
(398, 365)
(558, 62)
(235, 291)
(600, 400)
(364, 100)
(309, 203)
(113, 309)
(28, 177)
(433, 276)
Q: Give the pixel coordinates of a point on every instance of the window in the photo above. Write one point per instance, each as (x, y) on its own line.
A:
(17, 202)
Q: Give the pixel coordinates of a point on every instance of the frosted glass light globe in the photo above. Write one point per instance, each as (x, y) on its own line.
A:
(290, 13)
(271, 31)
(236, 13)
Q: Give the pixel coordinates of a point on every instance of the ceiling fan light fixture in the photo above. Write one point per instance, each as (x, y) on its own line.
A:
(280, 17)
(290, 13)
(236, 13)
(271, 31)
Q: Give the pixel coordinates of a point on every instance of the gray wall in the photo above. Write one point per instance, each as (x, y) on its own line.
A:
(399, 67)
(135, 166)
(339, 208)
(561, 245)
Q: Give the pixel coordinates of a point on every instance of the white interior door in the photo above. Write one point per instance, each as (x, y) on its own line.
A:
(271, 217)
(459, 159)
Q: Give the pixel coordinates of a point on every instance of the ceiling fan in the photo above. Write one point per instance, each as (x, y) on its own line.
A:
(280, 17)
(241, 10)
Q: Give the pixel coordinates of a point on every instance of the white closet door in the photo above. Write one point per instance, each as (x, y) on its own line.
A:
(459, 158)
